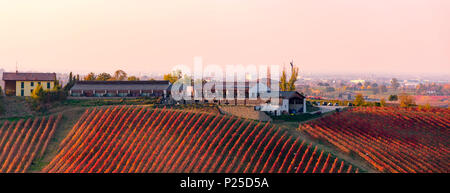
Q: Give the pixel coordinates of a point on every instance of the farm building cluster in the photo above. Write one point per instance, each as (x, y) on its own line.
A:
(245, 93)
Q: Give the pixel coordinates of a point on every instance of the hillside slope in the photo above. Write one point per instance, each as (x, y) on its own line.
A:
(23, 141)
(246, 112)
(140, 139)
(15, 107)
(389, 139)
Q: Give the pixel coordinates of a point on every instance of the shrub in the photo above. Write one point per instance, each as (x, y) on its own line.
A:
(40, 95)
(427, 106)
(393, 97)
(10, 93)
(37, 93)
(406, 100)
(42, 99)
(383, 102)
(359, 100)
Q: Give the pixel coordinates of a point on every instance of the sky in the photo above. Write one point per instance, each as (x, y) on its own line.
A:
(143, 36)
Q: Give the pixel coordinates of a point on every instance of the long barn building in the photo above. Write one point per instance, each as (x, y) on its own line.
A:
(156, 88)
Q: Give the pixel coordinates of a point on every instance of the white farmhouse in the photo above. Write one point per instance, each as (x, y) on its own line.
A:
(289, 102)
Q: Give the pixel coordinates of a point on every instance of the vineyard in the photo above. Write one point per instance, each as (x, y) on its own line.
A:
(139, 139)
(389, 139)
(23, 141)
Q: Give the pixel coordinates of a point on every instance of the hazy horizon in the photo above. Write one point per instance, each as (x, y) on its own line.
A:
(349, 36)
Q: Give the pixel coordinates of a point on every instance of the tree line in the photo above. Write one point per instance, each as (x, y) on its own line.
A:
(403, 99)
(118, 75)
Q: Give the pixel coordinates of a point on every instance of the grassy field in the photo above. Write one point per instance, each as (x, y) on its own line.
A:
(15, 107)
(295, 118)
(291, 125)
(70, 117)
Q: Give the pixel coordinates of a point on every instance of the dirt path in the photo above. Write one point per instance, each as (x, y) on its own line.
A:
(70, 117)
(292, 128)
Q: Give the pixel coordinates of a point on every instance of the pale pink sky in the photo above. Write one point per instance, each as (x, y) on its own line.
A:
(410, 36)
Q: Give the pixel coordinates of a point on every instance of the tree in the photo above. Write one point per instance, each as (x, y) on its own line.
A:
(427, 106)
(395, 84)
(383, 102)
(70, 76)
(406, 100)
(359, 100)
(119, 75)
(283, 79)
(57, 85)
(283, 84)
(38, 93)
(133, 78)
(173, 76)
(91, 76)
(289, 85)
(42, 99)
(103, 76)
(71, 82)
(393, 97)
(293, 79)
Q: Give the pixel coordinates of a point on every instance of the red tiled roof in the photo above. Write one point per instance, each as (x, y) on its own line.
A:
(29, 76)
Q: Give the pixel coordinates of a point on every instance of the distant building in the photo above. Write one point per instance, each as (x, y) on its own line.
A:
(156, 88)
(248, 94)
(358, 81)
(23, 84)
(411, 83)
(232, 93)
(289, 102)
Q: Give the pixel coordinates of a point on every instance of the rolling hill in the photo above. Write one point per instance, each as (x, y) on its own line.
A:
(139, 139)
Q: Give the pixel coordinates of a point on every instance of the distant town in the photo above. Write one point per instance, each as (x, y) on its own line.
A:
(431, 90)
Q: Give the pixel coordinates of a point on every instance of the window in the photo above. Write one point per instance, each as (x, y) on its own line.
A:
(39, 83)
(48, 85)
(22, 92)
(31, 91)
(32, 83)
(22, 85)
